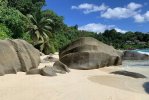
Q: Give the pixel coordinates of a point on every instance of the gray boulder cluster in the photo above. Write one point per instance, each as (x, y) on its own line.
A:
(89, 53)
(84, 53)
(58, 67)
(18, 55)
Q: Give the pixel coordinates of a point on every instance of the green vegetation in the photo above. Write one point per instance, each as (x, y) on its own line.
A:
(39, 30)
(26, 6)
(4, 32)
(14, 20)
(129, 40)
(47, 31)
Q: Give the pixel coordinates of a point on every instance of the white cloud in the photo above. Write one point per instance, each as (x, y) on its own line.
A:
(117, 13)
(122, 12)
(142, 18)
(146, 15)
(89, 8)
(133, 6)
(98, 27)
(132, 10)
(138, 18)
(120, 30)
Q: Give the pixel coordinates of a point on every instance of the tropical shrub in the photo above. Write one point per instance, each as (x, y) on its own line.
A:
(5, 33)
(26, 6)
(14, 20)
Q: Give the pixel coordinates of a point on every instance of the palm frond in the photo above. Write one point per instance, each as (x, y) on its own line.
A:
(37, 34)
(47, 32)
(48, 27)
(40, 31)
(32, 19)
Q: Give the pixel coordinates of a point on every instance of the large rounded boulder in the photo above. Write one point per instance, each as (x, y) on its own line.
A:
(89, 53)
(17, 55)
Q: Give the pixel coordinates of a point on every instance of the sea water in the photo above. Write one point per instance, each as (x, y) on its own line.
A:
(143, 51)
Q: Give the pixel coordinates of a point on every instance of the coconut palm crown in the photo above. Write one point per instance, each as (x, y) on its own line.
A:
(40, 31)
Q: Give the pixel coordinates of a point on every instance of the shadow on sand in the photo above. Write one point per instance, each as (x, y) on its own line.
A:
(119, 82)
(130, 74)
(146, 87)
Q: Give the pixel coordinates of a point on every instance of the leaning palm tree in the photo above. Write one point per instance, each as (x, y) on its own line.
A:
(40, 31)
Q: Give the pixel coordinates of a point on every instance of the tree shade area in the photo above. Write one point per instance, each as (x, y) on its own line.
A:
(47, 31)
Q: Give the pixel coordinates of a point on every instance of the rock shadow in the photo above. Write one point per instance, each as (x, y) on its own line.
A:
(122, 83)
(129, 74)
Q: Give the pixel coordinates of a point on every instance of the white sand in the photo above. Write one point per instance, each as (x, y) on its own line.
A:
(95, 84)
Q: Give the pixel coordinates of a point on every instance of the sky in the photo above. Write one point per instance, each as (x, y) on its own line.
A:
(99, 15)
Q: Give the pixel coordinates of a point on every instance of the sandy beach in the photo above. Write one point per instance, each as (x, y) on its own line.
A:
(74, 50)
(97, 84)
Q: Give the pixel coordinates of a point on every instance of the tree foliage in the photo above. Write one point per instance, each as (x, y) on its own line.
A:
(58, 23)
(39, 31)
(3, 3)
(4, 32)
(14, 20)
(26, 6)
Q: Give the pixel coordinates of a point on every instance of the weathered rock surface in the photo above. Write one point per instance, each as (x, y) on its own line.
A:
(133, 55)
(48, 71)
(50, 58)
(89, 53)
(120, 53)
(59, 67)
(34, 71)
(17, 55)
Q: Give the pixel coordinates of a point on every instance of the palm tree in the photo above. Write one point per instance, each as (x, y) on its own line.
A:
(39, 31)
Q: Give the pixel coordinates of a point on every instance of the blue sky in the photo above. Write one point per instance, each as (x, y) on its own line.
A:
(99, 15)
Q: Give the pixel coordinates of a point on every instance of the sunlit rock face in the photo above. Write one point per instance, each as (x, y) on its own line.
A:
(17, 55)
(89, 53)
